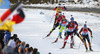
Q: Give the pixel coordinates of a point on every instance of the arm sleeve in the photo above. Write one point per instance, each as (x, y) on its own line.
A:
(90, 31)
(76, 24)
(55, 8)
(65, 8)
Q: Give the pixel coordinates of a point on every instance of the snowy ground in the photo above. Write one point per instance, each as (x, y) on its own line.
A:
(36, 26)
(68, 4)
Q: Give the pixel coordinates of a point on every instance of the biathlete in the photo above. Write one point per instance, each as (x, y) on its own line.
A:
(62, 26)
(56, 24)
(58, 9)
(84, 34)
(70, 32)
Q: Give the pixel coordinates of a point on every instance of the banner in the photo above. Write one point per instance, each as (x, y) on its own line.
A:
(7, 23)
(4, 4)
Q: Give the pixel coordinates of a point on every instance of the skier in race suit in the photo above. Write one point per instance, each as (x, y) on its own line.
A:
(62, 26)
(84, 34)
(76, 29)
(56, 24)
(70, 32)
(58, 9)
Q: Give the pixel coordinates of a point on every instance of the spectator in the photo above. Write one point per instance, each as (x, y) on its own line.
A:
(18, 45)
(21, 49)
(2, 38)
(27, 48)
(14, 36)
(1, 49)
(8, 50)
(12, 43)
(35, 51)
(7, 36)
(30, 50)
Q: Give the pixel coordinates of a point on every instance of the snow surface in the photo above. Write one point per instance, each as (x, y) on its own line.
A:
(68, 4)
(36, 26)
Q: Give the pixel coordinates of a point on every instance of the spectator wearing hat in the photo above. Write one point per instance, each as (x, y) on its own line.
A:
(35, 51)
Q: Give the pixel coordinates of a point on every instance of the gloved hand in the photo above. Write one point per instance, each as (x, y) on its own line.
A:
(65, 8)
(92, 37)
(81, 37)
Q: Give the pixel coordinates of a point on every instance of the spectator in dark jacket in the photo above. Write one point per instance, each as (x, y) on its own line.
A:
(1, 49)
(35, 51)
(7, 36)
(2, 38)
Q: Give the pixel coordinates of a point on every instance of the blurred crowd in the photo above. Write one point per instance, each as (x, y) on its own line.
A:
(13, 45)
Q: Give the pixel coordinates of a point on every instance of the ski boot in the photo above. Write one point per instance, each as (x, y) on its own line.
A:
(48, 34)
(71, 45)
(91, 49)
(60, 37)
(55, 41)
(86, 49)
(64, 45)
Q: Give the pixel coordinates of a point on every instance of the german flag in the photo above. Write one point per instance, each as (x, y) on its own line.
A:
(6, 24)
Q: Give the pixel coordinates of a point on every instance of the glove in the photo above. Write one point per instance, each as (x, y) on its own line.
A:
(81, 37)
(92, 37)
(65, 8)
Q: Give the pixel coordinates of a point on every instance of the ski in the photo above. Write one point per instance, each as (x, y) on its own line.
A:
(53, 42)
(95, 51)
(61, 48)
(45, 37)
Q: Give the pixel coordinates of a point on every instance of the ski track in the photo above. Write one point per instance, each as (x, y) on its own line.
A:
(36, 26)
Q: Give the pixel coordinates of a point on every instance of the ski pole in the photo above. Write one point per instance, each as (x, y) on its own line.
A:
(79, 45)
(91, 39)
(52, 17)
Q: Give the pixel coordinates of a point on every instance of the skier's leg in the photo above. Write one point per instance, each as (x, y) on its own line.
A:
(51, 31)
(65, 41)
(56, 40)
(89, 43)
(85, 43)
(55, 26)
(60, 32)
(58, 37)
(64, 45)
(72, 41)
(81, 38)
(76, 32)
